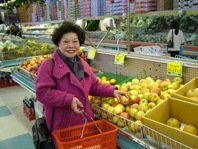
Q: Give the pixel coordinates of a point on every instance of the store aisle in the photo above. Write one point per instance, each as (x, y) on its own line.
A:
(15, 128)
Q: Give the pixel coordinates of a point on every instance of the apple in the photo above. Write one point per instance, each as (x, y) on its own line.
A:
(132, 127)
(149, 79)
(143, 107)
(125, 115)
(108, 100)
(124, 88)
(164, 85)
(118, 109)
(143, 101)
(174, 85)
(192, 93)
(137, 87)
(117, 86)
(132, 112)
(115, 119)
(140, 96)
(137, 125)
(135, 105)
(158, 81)
(170, 91)
(178, 79)
(133, 92)
(153, 97)
(173, 122)
(190, 129)
(105, 105)
(127, 108)
(135, 99)
(112, 81)
(121, 123)
(110, 109)
(139, 115)
(146, 95)
(151, 105)
(156, 90)
(135, 81)
(122, 106)
(164, 95)
(129, 84)
(124, 100)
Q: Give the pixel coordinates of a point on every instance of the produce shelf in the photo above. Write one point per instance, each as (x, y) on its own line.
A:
(23, 80)
(12, 62)
(147, 137)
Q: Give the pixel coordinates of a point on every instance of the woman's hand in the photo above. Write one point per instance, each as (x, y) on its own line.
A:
(118, 94)
(77, 105)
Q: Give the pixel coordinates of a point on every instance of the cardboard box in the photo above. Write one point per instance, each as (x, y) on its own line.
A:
(185, 112)
(181, 92)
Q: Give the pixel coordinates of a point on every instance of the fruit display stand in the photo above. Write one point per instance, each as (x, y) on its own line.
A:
(184, 112)
(188, 92)
(146, 136)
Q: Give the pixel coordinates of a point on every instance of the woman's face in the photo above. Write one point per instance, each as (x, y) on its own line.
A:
(69, 44)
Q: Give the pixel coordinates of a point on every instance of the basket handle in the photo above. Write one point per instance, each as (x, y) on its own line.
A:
(85, 117)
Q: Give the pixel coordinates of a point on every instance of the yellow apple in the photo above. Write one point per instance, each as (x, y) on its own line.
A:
(112, 81)
(192, 93)
(132, 112)
(115, 119)
(153, 97)
(135, 81)
(173, 122)
(190, 129)
(124, 114)
(178, 79)
(151, 105)
(143, 107)
(118, 109)
(105, 105)
(139, 115)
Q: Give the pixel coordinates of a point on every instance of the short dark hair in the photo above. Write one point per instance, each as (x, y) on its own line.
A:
(68, 27)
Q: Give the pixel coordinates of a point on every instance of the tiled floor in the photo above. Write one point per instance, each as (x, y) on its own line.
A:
(15, 128)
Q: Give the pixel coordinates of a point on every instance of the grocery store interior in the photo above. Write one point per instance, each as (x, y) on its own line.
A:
(147, 48)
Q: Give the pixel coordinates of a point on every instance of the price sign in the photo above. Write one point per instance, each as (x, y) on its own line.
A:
(91, 54)
(174, 68)
(119, 58)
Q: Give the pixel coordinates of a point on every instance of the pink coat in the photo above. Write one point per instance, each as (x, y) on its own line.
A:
(58, 87)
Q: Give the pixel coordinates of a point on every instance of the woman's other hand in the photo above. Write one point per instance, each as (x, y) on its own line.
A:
(77, 105)
(118, 94)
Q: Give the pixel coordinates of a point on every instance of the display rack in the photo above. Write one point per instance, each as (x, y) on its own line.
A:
(146, 138)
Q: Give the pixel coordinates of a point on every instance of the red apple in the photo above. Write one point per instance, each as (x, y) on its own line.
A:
(135, 99)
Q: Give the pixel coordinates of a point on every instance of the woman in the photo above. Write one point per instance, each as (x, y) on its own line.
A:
(66, 85)
(178, 38)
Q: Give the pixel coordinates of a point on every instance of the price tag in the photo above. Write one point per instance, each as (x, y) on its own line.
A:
(91, 54)
(174, 68)
(119, 58)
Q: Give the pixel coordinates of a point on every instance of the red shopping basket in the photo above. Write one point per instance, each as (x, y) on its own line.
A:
(93, 138)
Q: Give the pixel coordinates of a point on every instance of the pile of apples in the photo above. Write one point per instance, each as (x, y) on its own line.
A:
(32, 64)
(143, 95)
